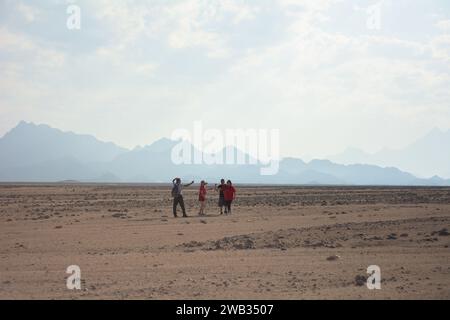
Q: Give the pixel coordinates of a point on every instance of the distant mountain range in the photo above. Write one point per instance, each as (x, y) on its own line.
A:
(426, 157)
(39, 153)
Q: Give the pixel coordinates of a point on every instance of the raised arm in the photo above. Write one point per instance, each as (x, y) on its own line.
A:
(189, 184)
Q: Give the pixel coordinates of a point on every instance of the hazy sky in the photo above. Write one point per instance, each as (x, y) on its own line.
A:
(327, 73)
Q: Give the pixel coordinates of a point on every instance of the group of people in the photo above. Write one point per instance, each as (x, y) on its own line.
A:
(227, 193)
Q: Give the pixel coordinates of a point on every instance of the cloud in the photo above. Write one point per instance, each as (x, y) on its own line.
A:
(29, 13)
(443, 25)
(311, 68)
(25, 51)
(441, 47)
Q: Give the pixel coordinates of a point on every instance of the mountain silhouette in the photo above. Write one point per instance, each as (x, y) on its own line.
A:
(28, 144)
(426, 157)
(32, 152)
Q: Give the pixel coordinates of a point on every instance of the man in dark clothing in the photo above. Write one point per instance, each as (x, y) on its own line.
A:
(221, 187)
(177, 193)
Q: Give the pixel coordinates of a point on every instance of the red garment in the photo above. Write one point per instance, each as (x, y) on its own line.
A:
(229, 192)
(202, 193)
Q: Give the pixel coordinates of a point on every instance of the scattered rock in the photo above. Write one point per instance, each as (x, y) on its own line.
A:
(192, 244)
(243, 244)
(333, 258)
(360, 280)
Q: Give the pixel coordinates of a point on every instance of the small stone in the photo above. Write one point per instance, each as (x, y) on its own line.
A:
(360, 280)
(333, 258)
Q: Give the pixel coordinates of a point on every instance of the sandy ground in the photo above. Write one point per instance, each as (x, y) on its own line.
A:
(275, 245)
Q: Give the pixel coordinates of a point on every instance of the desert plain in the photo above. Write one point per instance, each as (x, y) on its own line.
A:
(280, 242)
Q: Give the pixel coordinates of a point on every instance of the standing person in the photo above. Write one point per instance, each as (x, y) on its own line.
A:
(178, 196)
(229, 193)
(221, 188)
(202, 197)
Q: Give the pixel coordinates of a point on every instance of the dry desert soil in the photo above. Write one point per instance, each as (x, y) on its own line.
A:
(279, 243)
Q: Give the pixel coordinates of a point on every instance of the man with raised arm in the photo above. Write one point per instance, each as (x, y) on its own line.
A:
(178, 196)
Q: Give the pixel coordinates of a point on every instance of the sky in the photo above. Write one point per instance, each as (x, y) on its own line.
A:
(328, 74)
